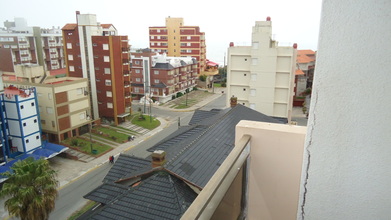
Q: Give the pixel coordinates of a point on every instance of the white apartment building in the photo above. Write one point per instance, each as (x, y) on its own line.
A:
(261, 76)
(33, 45)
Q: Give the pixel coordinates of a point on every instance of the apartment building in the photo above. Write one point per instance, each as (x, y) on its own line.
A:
(261, 76)
(95, 51)
(158, 76)
(178, 40)
(63, 106)
(33, 45)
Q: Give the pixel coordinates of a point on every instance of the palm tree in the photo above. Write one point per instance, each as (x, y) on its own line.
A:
(31, 189)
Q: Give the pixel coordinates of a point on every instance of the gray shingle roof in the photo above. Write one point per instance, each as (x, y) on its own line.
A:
(202, 158)
(159, 196)
(125, 166)
(106, 192)
(165, 66)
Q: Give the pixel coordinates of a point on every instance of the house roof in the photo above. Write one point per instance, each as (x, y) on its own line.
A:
(305, 56)
(106, 192)
(125, 166)
(299, 72)
(69, 27)
(199, 161)
(158, 196)
(193, 155)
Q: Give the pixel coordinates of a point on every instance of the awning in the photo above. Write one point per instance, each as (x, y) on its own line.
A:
(54, 147)
(45, 153)
(210, 63)
(123, 115)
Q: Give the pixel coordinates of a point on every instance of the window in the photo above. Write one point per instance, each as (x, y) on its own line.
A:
(189, 44)
(69, 45)
(109, 94)
(158, 30)
(32, 104)
(24, 124)
(107, 70)
(35, 120)
(109, 105)
(156, 72)
(137, 62)
(254, 61)
(158, 37)
(152, 44)
(156, 81)
(252, 106)
(71, 68)
(152, 37)
(108, 82)
(79, 91)
(21, 107)
(105, 47)
(136, 89)
(70, 33)
(106, 58)
(27, 141)
(49, 110)
(138, 80)
(70, 57)
(137, 71)
(37, 137)
(50, 96)
(189, 37)
(188, 51)
(43, 122)
(244, 89)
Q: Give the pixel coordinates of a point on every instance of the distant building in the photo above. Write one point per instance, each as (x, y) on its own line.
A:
(33, 45)
(95, 51)
(160, 76)
(304, 75)
(261, 76)
(178, 40)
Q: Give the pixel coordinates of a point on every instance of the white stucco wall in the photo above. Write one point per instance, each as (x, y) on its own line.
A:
(346, 169)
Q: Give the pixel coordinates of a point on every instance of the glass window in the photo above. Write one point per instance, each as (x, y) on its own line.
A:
(105, 47)
(106, 58)
(107, 70)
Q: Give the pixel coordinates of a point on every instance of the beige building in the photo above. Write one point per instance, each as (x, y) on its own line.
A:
(63, 105)
(261, 76)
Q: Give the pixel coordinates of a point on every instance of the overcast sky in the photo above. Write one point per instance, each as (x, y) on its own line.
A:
(293, 21)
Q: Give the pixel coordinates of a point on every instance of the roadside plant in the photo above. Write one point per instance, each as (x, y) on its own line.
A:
(31, 189)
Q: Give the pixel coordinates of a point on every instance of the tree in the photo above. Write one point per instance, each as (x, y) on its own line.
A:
(31, 189)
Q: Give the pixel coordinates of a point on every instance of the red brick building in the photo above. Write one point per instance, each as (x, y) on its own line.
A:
(178, 40)
(161, 76)
(96, 52)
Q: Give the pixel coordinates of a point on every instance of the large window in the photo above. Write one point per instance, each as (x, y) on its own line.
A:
(106, 58)
(107, 70)
(109, 105)
(108, 82)
(69, 45)
(109, 94)
(105, 47)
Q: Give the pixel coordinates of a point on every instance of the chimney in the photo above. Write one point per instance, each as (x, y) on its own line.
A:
(268, 18)
(231, 44)
(77, 13)
(233, 101)
(158, 158)
(295, 45)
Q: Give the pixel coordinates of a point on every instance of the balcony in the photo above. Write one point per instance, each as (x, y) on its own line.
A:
(125, 49)
(126, 72)
(265, 187)
(126, 84)
(125, 61)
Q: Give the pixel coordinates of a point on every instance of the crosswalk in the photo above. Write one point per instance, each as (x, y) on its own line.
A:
(135, 128)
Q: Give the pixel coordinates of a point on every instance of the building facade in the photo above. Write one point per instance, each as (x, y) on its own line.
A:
(178, 40)
(95, 51)
(159, 77)
(33, 45)
(262, 75)
(63, 105)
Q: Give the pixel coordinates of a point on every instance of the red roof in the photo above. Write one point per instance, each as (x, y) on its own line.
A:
(299, 72)
(305, 56)
(69, 27)
(106, 25)
(210, 63)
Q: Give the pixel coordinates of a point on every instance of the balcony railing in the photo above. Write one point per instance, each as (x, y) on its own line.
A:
(206, 203)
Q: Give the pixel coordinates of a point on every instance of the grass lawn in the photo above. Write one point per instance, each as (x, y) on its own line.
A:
(85, 208)
(113, 135)
(147, 123)
(217, 84)
(85, 146)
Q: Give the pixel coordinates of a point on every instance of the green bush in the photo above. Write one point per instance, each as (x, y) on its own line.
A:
(202, 78)
(74, 142)
(195, 88)
(173, 97)
(179, 94)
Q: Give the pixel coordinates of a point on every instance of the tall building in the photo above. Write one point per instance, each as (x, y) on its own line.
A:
(95, 51)
(261, 76)
(178, 40)
(159, 77)
(33, 45)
